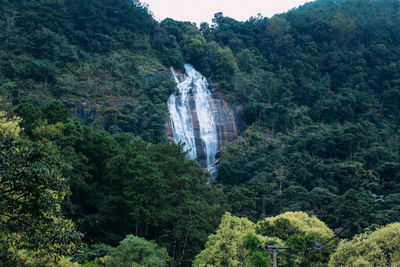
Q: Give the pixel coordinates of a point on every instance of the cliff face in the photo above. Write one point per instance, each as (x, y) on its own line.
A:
(228, 120)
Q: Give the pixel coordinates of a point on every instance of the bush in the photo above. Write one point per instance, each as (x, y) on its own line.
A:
(380, 248)
(136, 251)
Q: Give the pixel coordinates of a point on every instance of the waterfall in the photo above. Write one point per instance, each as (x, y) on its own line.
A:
(192, 120)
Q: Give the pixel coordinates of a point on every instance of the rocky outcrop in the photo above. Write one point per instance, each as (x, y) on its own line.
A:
(85, 111)
(228, 120)
(91, 110)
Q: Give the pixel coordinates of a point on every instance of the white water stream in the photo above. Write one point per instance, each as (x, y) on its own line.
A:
(193, 91)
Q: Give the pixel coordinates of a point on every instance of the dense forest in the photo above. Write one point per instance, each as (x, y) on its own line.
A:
(317, 168)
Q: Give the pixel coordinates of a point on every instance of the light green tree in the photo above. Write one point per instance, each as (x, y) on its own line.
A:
(311, 240)
(380, 248)
(9, 126)
(226, 247)
(134, 251)
(310, 226)
(32, 229)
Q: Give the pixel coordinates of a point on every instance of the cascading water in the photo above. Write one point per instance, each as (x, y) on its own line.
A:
(189, 110)
(179, 110)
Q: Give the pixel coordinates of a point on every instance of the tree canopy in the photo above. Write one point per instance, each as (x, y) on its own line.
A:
(378, 248)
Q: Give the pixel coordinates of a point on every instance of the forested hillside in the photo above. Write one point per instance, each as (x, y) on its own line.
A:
(85, 164)
(322, 101)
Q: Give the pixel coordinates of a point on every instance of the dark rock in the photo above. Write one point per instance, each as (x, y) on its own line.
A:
(85, 111)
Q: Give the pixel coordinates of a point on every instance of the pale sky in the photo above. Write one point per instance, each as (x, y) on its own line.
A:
(204, 10)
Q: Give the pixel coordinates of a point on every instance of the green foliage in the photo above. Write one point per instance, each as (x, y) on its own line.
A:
(55, 112)
(379, 248)
(232, 244)
(328, 170)
(89, 255)
(246, 60)
(193, 46)
(257, 258)
(224, 67)
(136, 251)
(9, 126)
(311, 240)
(31, 116)
(343, 28)
(10, 256)
(148, 119)
(236, 240)
(250, 241)
(297, 242)
(31, 192)
(242, 202)
(97, 52)
(278, 30)
(90, 264)
(126, 185)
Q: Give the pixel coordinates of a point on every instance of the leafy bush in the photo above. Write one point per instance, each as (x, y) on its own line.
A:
(136, 251)
(378, 248)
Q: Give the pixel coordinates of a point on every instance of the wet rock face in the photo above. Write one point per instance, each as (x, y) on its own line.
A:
(98, 109)
(85, 111)
(228, 120)
(227, 117)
